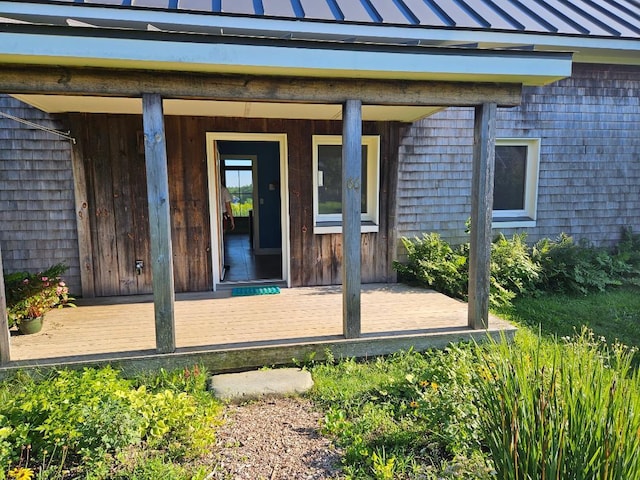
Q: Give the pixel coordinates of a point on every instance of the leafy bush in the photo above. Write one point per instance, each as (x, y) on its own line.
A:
(513, 271)
(560, 410)
(88, 419)
(628, 252)
(551, 265)
(435, 264)
(579, 268)
(512, 265)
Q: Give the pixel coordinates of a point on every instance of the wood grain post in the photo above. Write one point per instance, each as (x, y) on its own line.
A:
(83, 223)
(481, 214)
(351, 210)
(5, 344)
(159, 222)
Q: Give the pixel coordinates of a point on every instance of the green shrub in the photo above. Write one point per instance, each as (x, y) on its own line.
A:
(560, 410)
(513, 271)
(433, 263)
(628, 252)
(512, 265)
(578, 268)
(86, 419)
(559, 266)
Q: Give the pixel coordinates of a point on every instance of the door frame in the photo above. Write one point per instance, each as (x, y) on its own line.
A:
(214, 194)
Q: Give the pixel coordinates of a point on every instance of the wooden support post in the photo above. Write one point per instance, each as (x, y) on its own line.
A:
(159, 222)
(351, 210)
(83, 224)
(5, 344)
(481, 214)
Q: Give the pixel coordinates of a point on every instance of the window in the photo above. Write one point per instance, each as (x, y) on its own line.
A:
(515, 188)
(238, 178)
(327, 183)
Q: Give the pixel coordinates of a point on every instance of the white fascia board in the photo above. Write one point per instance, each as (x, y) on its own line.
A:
(529, 68)
(587, 47)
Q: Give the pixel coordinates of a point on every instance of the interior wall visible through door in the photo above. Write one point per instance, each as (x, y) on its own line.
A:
(252, 170)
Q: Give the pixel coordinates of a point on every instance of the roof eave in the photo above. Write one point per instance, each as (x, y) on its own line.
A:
(266, 57)
(587, 48)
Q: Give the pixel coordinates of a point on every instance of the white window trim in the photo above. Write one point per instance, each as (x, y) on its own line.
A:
(326, 223)
(527, 216)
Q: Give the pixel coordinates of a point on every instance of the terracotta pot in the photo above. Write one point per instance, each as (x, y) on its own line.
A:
(27, 326)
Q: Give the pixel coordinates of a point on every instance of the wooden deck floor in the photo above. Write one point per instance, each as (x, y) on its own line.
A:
(393, 316)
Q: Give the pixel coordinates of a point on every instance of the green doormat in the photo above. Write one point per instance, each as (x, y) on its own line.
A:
(247, 291)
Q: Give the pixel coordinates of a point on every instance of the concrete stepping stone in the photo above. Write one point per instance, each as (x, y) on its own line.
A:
(245, 386)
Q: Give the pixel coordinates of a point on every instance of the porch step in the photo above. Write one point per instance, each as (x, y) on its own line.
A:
(245, 386)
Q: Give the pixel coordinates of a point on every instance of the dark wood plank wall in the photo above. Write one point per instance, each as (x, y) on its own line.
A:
(186, 151)
(317, 259)
(117, 196)
(114, 167)
(103, 233)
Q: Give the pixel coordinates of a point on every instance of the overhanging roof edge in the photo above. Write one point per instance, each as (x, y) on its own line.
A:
(267, 57)
(280, 27)
(179, 37)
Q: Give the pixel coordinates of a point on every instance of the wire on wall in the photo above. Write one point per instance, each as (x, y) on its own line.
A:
(40, 127)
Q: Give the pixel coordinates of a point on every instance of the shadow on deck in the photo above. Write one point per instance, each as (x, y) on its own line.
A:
(227, 333)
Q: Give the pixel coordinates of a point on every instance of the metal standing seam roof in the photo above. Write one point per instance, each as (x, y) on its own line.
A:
(598, 18)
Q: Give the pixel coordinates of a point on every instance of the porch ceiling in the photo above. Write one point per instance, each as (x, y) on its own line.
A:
(211, 108)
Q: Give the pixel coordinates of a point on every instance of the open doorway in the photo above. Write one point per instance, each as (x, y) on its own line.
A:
(252, 167)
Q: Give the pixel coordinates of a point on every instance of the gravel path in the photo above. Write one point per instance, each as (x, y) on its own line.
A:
(274, 439)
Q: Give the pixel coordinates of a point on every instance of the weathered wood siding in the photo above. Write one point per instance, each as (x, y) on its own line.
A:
(117, 205)
(37, 211)
(589, 182)
(317, 259)
(114, 167)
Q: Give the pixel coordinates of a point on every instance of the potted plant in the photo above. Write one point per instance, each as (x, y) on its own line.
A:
(30, 296)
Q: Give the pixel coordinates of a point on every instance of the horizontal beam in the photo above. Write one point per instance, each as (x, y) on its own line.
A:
(217, 360)
(24, 79)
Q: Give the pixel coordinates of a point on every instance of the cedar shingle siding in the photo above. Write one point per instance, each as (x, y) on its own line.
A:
(589, 183)
(37, 222)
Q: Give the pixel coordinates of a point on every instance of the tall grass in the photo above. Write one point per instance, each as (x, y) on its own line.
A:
(561, 409)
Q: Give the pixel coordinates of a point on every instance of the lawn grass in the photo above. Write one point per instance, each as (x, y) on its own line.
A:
(614, 314)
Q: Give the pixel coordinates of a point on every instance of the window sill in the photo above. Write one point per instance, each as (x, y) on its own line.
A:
(513, 222)
(321, 228)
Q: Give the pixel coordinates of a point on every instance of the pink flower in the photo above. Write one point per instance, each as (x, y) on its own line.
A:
(44, 279)
(62, 284)
(25, 281)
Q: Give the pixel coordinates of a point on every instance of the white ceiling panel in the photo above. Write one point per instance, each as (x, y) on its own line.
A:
(209, 108)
